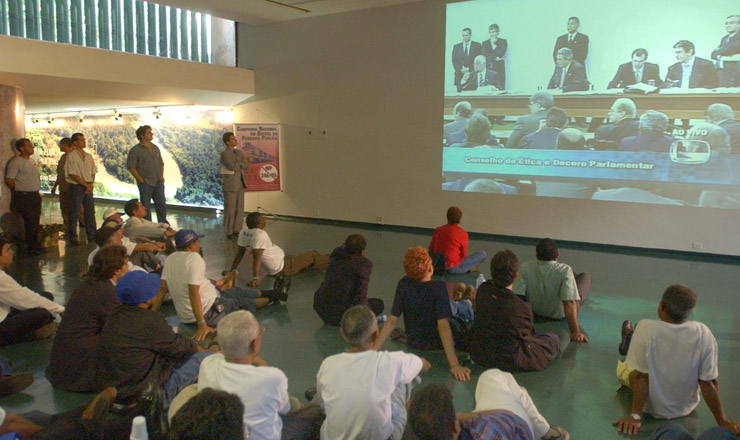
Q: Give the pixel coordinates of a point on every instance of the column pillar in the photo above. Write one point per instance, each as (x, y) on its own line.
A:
(12, 128)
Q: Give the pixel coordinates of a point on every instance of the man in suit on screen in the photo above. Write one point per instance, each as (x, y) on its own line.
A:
(728, 71)
(494, 49)
(690, 71)
(479, 77)
(463, 55)
(638, 71)
(569, 75)
(539, 104)
(574, 40)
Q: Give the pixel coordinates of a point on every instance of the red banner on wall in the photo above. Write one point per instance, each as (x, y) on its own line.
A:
(261, 144)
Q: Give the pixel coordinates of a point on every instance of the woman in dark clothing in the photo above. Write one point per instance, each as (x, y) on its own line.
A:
(346, 281)
(72, 364)
(503, 334)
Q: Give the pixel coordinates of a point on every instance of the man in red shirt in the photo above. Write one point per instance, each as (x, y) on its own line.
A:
(452, 241)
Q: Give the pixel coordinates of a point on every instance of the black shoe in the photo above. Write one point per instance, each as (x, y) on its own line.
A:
(281, 287)
(74, 242)
(627, 330)
(310, 393)
(15, 383)
(152, 407)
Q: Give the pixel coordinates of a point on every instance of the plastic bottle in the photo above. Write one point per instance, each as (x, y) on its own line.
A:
(138, 429)
(481, 279)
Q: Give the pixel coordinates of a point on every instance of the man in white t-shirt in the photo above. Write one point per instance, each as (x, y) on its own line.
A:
(363, 391)
(669, 362)
(238, 369)
(271, 256)
(503, 410)
(196, 298)
(552, 288)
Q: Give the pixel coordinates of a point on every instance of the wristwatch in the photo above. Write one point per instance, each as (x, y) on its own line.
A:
(636, 416)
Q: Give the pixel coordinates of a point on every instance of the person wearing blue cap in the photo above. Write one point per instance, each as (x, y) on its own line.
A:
(137, 345)
(198, 299)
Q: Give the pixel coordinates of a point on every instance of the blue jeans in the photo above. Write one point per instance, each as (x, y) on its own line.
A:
(672, 431)
(469, 262)
(5, 369)
(147, 193)
(239, 298)
(77, 198)
(183, 374)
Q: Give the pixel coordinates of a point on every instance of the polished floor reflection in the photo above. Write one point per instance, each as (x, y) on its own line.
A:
(578, 391)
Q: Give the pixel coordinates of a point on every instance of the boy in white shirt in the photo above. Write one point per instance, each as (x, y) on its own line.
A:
(271, 256)
(364, 392)
(669, 362)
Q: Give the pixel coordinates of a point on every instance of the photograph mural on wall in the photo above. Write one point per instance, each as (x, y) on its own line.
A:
(189, 140)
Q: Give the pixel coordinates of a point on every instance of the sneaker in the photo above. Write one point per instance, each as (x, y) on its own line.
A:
(556, 433)
(281, 287)
(100, 405)
(310, 393)
(15, 383)
(627, 330)
(46, 331)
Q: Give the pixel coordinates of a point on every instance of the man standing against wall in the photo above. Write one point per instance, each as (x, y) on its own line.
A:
(81, 170)
(233, 163)
(145, 163)
(22, 177)
(65, 145)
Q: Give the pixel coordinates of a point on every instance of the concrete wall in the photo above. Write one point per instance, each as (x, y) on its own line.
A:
(374, 80)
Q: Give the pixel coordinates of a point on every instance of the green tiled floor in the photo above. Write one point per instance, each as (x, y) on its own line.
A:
(578, 391)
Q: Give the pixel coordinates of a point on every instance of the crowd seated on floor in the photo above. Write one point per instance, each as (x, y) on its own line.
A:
(112, 339)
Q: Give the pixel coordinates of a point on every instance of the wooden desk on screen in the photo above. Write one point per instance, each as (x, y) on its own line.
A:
(688, 106)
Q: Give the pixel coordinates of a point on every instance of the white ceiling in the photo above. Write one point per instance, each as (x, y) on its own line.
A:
(257, 12)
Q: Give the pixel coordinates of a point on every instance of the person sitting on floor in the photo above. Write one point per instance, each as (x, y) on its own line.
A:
(72, 363)
(111, 234)
(196, 298)
(364, 391)
(271, 256)
(551, 288)
(503, 410)
(263, 390)
(212, 415)
(668, 363)
(425, 306)
(346, 281)
(138, 226)
(24, 314)
(503, 333)
(142, 250)
(452, 241)
(137, 345)
(463, 302)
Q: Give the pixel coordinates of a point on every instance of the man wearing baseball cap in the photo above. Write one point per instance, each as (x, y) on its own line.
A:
(137, 345)
(196, 298)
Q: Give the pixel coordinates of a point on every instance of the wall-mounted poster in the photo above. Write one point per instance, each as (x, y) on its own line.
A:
(261, 144)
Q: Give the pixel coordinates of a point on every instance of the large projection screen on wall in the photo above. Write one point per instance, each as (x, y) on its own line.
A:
(606, 136)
